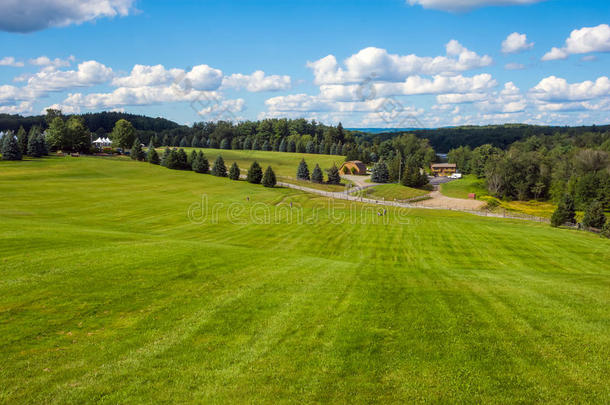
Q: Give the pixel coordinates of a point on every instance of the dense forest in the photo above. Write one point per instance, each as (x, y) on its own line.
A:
(500, 136)
(544, 167)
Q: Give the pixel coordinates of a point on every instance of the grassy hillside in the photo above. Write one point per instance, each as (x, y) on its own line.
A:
(109, 292)
(464, 186)
(392, 192)
(283, 163)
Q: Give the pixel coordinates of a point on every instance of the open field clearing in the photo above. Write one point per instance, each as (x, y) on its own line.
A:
(392, 192)
(283, 163)
(115, 287)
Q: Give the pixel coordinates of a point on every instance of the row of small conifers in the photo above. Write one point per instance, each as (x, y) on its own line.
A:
(177, 159)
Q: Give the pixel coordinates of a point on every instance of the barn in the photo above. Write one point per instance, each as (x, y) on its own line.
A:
(353, 167)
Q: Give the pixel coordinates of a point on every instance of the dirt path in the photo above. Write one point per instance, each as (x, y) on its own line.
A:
(438, 200)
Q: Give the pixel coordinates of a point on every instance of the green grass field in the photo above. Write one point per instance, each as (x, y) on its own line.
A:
(392, 192)
(111, 292)
(283, 163)
(464, 186)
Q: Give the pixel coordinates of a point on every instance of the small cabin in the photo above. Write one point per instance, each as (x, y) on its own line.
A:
(355, 167)
(443, 169)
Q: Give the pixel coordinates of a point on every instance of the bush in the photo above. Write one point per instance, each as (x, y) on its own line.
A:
(269, 179)
(255, 173)
(219, 168)
(606, 230)
(594, 216)
(234, 172)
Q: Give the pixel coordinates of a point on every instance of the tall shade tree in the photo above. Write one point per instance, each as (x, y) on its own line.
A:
(303, 171)
(255, 173)
(56, 133)
(234, 172)
(123, 134)
(219, 168)
(78, 137)
(269, 179)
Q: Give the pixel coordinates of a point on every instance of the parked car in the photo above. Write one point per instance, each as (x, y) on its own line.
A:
(456, 176)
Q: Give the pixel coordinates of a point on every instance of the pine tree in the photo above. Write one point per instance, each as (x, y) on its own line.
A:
(165, 157)
(283, 145)
(255, 144)
(266, 146)
(183, 161)
(269, 179)
(225, 144)
(310, 148)
(594, 216)
(35, 149)
(333, 149)
(255, 173)
(247, 145)
(22, 139)
(333, 175)
(219, 168)
(303, 171)
(192, 158)
(172, 161)
(152, 156)
(204, 164)
(165, 141)
(413, 175)
(136, 151)
(565, 212)
(10, 148)
(183, 142)
(42, 143)
(35, 133)
(292, 146)
(234, 172)
(380, 173)
(317, 176)
(195, 142)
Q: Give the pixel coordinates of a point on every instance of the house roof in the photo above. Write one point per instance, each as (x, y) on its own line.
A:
(361, 166)
(444, 166)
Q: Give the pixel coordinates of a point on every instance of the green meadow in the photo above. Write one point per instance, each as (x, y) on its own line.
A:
(124, 282)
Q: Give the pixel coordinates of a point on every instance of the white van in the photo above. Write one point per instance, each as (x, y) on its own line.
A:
(456, 176)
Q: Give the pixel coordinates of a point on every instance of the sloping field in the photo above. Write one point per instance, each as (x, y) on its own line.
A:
(115, 287)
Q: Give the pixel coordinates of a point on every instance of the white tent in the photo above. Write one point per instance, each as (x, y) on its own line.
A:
(102, 142)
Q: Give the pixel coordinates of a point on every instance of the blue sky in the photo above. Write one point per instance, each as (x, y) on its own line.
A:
(382, 63)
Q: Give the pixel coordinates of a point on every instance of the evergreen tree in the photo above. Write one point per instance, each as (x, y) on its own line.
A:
(155, 141)
(165, 157)
(255, 173)
(565, 212)
(234, 172)
(333, 149)
(165, 141)
(235, 143)
(317, 176)
(183, 142)
(333, 175)
(203, 165)
(225, 144)
(42, 143)
(303, 171)
(266, 146)
(413, 175)
(192, 158)
(182, 163)
(310, 148)
(219, 168)
(195, 142)
(276, 145)
(255, 144)
(380, 173)
(11, 150)
(152, 156)
(136, 151)
(22, 139)
(247, 145)
(283, 145)
(213, 143)
(269, 179)
(594, 215)
(172, 161)
(35, 149)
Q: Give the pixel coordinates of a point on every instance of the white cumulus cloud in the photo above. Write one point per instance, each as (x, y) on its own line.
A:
(35, 15)
(57, 62)
(557, 89)
(378, 64)
(10, 61)
(257, 82)
(584, 40)
(515, 43)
